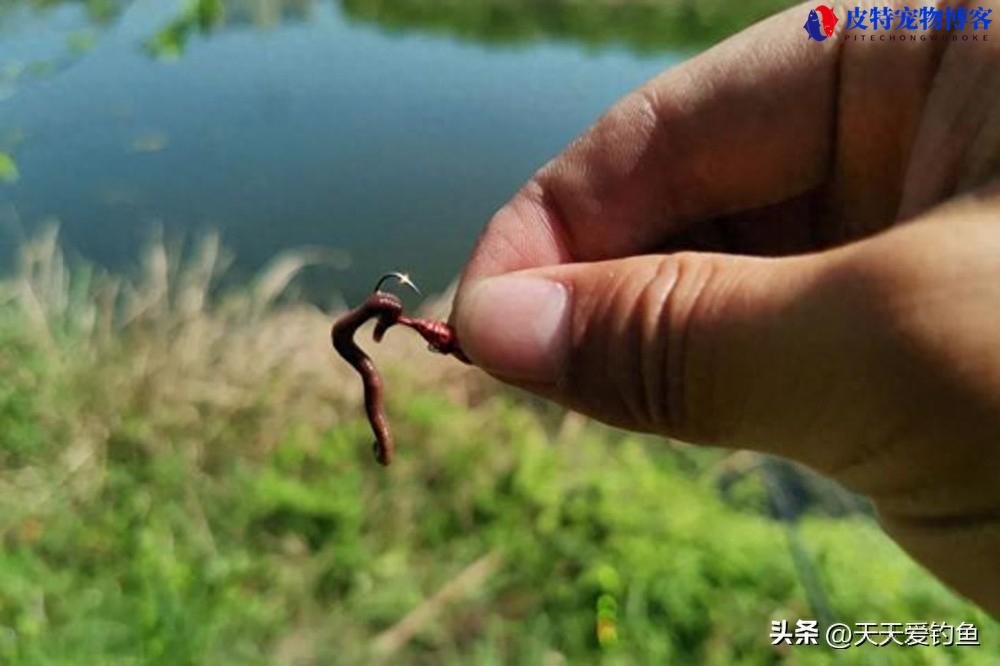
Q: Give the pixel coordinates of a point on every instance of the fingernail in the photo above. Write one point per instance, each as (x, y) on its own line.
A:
(516, 327)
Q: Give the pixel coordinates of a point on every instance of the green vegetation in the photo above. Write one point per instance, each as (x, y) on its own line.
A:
(644, 25)
(198, 16)
(187, 479)
(9, 172)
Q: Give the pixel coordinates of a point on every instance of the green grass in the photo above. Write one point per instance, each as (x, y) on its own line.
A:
(187, 479)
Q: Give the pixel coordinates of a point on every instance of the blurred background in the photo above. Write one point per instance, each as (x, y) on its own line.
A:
(189, 192)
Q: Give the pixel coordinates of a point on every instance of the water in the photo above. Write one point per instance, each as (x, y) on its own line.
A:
(287, 124)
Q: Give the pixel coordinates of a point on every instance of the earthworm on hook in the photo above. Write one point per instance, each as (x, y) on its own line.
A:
(387, 310)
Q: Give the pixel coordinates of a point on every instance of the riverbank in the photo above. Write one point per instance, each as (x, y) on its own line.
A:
(186, 477)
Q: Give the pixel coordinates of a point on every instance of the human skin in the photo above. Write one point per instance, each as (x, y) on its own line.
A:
(785, 246)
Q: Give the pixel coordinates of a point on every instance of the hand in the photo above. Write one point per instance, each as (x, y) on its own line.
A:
(787, 246)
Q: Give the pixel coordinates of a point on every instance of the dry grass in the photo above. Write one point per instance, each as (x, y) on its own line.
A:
(195, 348)
(165, 345)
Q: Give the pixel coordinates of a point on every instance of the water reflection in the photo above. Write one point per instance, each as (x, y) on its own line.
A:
(383, 128)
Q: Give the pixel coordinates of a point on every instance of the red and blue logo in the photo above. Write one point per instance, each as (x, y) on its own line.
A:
(821, 23)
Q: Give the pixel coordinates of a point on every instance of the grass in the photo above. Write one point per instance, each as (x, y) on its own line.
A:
(186, 478)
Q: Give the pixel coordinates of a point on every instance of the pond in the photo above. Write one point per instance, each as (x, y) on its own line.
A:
(389, 131)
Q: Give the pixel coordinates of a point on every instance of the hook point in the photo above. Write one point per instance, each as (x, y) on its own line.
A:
(402, 278)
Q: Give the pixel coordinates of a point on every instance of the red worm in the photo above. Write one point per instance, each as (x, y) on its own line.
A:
(387, 310)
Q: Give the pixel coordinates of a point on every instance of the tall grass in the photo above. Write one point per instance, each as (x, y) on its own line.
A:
(186, 478)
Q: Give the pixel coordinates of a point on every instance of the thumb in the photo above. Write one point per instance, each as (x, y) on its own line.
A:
(707, 347)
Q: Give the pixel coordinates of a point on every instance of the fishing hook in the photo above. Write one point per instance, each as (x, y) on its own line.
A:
(387, 310)
(402, 278)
